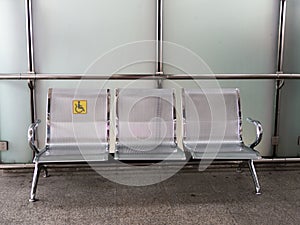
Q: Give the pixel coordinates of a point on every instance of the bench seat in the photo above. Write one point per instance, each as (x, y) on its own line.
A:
(226, 152)
(145, 125)
(77, 129)
(213, 127)
(158, 153)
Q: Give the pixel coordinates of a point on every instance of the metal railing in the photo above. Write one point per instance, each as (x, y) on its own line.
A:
(41, 76)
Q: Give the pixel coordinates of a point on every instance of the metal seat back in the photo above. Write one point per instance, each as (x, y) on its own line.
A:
(77, 121)
(145, 120)
(212, 116)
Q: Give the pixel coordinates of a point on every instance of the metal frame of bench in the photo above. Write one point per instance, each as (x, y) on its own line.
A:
(146, 125)
(206, 146)
(75, 149)
(136, 143)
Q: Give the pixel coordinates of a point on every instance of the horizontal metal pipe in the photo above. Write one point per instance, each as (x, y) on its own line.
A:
(262, 161)
(277, 160)
(11, 76)
(26, 76)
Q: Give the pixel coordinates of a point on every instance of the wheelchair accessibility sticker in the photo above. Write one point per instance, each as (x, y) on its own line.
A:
(79, 106)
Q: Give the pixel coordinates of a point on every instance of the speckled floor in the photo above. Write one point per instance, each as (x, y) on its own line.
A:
(189, 197)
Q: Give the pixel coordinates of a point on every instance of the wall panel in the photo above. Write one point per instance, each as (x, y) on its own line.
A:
(235, 36)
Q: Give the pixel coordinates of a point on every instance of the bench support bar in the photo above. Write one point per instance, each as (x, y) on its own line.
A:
(37, 170)
(254, 176)
(45, 170)
(35, 179)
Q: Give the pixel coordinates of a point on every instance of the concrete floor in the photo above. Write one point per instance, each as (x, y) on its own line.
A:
(189, 197)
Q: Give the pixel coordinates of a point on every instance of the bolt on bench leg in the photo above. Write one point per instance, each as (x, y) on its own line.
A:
(254, 176)
(35, 179)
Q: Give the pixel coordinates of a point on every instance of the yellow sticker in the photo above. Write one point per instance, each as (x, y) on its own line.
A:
(79, 106)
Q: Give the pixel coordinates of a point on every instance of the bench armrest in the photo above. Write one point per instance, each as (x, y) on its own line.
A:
(259, 132)
(32, 135)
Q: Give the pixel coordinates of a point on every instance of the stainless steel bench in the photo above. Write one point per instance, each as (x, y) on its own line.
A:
(213, 127)
(146, 121)
(77, 129)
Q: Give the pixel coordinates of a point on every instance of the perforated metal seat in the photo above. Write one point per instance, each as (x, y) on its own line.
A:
(76, 134)
(146, 125)
(213, 125)
(76, 130)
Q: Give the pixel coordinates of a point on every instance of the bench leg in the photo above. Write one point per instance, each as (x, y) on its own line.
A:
(35, 179)
(45, 170)
(239, 169)
(254, 176)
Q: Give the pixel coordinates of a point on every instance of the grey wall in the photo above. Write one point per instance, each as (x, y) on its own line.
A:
(92, 37)
(71, 35)
(290, 103)
(234, 36)
(14, 95)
